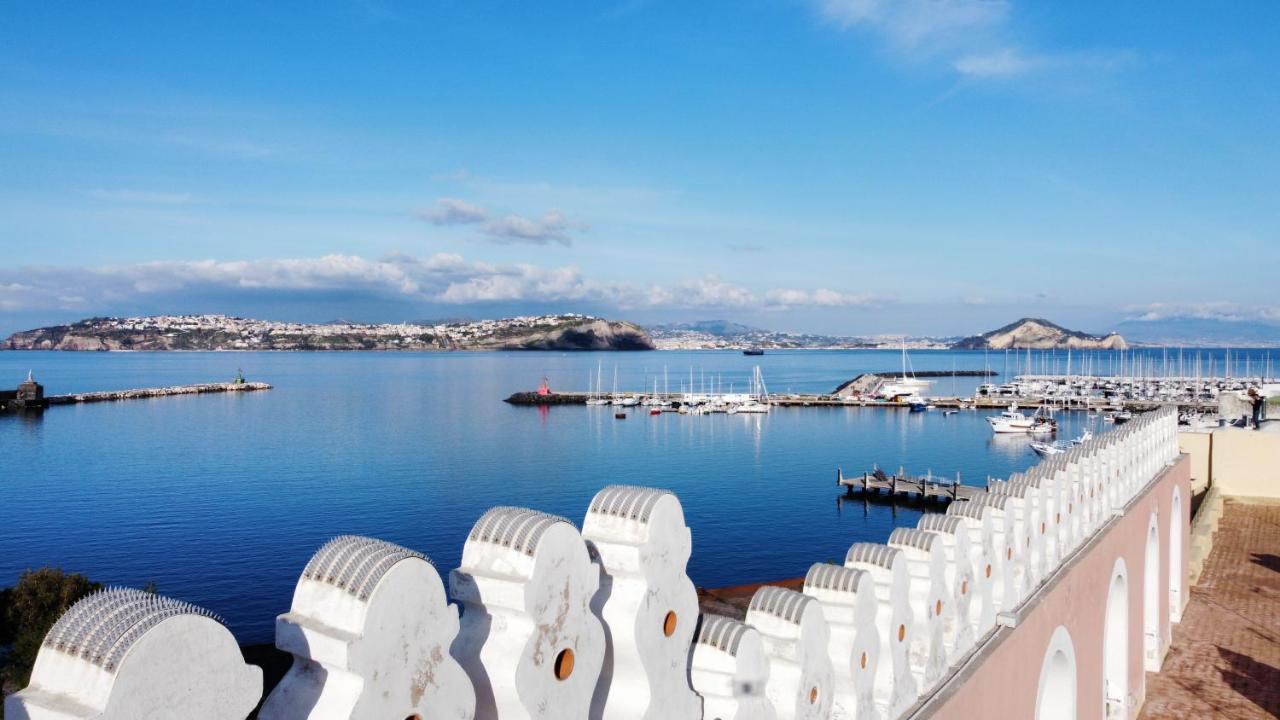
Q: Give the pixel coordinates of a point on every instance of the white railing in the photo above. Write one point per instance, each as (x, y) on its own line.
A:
(603, 622)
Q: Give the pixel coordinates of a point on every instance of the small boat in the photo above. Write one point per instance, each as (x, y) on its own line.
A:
(1122, 417)
(655, 411)
(619, 416)
(1044, 449)
(753, 351)
(949, 412)
(917, 405)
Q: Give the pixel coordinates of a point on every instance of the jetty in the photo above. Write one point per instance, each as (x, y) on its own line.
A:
(144, 393)
(533, 397)
(923, 487)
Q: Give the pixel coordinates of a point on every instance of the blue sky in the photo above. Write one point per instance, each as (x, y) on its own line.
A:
(853, 166)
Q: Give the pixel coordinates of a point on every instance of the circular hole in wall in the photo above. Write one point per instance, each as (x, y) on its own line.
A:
(669, 623)
(988, 569)
(813, 695)
(902, 633)
(937, 608)
(863, 661)
(964, 588)
(564, 664)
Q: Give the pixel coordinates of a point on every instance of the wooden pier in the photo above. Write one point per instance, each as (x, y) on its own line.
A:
(924, 487)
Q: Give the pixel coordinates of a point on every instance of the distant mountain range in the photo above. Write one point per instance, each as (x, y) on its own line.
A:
(220, 332)
(1040, 334)
(1202, 332)
(727, 335)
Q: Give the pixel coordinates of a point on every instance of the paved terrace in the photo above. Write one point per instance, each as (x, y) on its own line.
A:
(1225, 658)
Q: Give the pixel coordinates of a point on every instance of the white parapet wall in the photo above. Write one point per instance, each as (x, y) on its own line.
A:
(370, 631)
(929, 598)
(124, 654)
(604, 624)
(796, 640)
(529, 639)
(969, 601)
(895, 685)
(647, 602)
(729, 669)
(848, 600)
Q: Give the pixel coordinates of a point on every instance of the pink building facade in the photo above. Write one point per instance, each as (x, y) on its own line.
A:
(1082, 645)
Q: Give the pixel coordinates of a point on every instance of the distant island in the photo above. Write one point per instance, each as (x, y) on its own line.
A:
(1040, 334)
(221, 332)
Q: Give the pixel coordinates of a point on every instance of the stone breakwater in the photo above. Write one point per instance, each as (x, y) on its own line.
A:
(143, 393)
(601, 620)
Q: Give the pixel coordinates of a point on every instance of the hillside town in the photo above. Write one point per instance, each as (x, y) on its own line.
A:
(725, 335)
(224, 332)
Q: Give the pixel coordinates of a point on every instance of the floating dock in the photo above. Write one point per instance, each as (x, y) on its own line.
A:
(144, 393)
(924, 487)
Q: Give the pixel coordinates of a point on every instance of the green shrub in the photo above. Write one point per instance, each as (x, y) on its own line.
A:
(28, 610)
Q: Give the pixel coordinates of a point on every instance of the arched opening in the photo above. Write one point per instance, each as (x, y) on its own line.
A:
(1175, 556)
(1115, 645)
(1056, 698)
(1151, 599)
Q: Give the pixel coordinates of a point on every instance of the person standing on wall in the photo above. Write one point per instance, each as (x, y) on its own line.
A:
(1257, 401)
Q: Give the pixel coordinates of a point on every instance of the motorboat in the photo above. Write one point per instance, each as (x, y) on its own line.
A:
(1014, 421)
(1010, 421)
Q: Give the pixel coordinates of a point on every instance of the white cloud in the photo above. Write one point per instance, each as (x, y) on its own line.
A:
(976, 38)
(785, 298)
(452, 211)
(439, 278)
(552, 227)
(1011, 62)
(1209, 310)
(917, 25)
(1000, 63)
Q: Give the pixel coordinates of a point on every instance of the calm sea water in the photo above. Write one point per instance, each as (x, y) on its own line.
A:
(221, 499)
